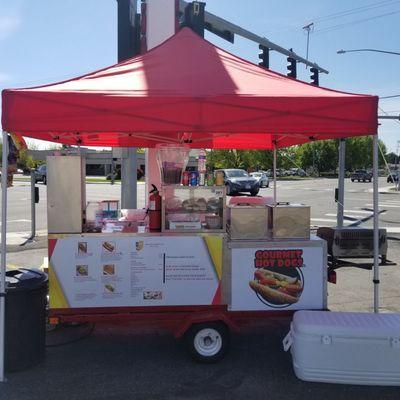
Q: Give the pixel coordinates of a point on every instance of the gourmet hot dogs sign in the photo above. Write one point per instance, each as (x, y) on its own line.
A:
(278, 278)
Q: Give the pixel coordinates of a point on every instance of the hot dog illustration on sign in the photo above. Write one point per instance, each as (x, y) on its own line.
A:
(278, 279)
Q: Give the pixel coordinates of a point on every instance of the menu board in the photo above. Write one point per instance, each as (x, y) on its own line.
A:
(114, 271)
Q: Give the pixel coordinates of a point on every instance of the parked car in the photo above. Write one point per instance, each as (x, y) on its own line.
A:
(297, 171)
(238, 180)
(262, 178)
(282, 172)
(361, 175)
(394, 175)
(40, 174)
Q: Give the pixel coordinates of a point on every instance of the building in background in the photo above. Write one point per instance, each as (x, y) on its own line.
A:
(99, 162)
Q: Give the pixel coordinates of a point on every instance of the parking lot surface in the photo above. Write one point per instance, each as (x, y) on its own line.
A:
(121, 362)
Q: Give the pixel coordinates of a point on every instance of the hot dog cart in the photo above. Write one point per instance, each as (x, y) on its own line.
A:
(212, 263)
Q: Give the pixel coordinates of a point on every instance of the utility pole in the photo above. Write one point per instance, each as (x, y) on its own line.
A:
(308, 29)
(128, 46)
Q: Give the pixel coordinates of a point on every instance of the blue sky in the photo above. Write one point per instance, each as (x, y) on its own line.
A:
(45, 41)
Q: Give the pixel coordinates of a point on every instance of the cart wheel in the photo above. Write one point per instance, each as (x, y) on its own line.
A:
(208, 342)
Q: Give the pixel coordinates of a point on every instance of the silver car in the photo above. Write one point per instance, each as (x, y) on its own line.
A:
(262, 178)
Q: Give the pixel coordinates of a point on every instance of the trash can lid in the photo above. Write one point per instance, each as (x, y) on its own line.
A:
(25, 279)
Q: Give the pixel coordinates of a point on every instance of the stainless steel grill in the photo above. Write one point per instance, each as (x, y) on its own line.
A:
(353, 242)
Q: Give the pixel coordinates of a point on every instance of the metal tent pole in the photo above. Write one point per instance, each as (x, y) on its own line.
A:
(376, 223)
(274, 167)
(33, 209)
(340, 200)
(3, 251)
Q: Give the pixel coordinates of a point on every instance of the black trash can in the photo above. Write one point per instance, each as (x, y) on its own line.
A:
(25, 318)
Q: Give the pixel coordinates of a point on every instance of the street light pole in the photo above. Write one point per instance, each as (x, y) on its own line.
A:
(373, 50)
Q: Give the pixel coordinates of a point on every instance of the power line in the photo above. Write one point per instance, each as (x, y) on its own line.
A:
(356, 10)
(340, 26)
(339, 14)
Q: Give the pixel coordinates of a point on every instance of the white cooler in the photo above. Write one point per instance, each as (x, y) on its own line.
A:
(344, 347)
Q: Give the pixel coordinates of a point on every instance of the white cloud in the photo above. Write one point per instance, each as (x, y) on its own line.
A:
(8, 25)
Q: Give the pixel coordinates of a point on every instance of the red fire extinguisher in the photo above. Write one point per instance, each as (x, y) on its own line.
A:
(154, 210)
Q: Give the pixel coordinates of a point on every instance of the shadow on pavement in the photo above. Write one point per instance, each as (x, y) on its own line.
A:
(114, 364)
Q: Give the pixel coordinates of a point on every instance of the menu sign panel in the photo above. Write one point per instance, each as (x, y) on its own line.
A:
(134, 271)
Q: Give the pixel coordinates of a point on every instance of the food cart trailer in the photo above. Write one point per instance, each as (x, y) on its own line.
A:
(200, 280)
(193, 277)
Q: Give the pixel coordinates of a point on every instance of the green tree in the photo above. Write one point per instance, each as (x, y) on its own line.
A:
(392, 158)
(359, 152)
(320, 155)
(323, 155)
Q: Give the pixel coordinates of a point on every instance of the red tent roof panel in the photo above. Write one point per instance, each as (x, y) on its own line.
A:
(186, 85)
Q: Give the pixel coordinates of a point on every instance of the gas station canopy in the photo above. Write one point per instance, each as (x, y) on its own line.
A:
(186, 89)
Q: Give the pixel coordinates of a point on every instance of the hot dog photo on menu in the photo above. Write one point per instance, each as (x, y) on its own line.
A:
(278, 280)
(82, 247)
(108, 247)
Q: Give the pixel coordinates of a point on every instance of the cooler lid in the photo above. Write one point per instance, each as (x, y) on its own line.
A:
(346, 324)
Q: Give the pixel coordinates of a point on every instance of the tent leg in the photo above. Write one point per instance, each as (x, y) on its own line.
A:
(3, 251)
(340, 200)
(274, 167)
(376, 223)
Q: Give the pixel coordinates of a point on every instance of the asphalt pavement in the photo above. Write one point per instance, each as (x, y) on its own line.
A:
(121, 362)
(115, 363)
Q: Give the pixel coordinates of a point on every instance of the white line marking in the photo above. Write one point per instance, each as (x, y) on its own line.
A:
(18, 220)
(323, 220)
(384, 205)
(359, 211)
(348, 215)
(22, 234)
(392, 229)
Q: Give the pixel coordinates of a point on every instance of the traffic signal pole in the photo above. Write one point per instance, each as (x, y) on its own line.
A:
(128, 47)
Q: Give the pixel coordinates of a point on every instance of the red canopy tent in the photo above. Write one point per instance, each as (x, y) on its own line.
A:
(186, 88)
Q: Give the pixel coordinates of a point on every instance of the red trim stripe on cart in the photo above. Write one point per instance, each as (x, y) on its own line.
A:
(51, 245)
(217, 296)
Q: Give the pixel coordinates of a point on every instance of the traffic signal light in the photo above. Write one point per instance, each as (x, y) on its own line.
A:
(292, 67)
(314, 76)
(263, 56)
